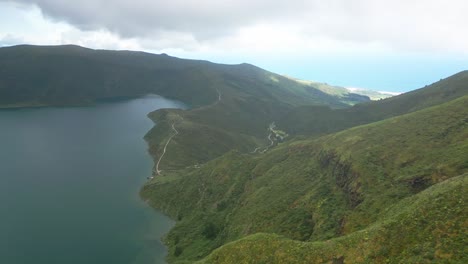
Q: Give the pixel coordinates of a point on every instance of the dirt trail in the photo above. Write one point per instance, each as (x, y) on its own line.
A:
(158, 171)
(272, 140)
(269, 146)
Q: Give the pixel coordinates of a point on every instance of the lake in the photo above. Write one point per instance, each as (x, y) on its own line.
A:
(69, 183)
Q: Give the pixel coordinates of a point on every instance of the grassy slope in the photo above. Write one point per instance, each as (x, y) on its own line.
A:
(319, 120)
(316, 190)
(429, 227)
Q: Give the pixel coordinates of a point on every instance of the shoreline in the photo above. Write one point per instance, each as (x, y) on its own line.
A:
(160, 236)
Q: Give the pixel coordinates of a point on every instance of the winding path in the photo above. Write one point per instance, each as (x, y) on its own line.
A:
(219, 98)
(164, 151)
(272, 141)
(255, 150)
(269, 146)
(158, 171)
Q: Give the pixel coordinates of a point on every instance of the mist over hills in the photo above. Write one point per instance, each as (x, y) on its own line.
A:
(268, 169)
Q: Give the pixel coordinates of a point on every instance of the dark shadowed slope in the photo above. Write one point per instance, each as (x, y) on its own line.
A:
(61, 75)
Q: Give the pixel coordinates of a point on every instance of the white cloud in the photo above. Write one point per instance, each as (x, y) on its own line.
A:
(26, 24)
(266, 26)
(100, 39)
(9, 40)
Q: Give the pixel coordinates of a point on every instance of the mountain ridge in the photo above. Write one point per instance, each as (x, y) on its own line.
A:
(20, 59)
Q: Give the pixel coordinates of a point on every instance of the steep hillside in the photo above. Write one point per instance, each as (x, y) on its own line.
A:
(319, 120)
(340, 185)
(429, 227)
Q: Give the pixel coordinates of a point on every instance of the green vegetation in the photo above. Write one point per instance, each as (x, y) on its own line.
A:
(361, 185)
(267, 169)
(429, 227)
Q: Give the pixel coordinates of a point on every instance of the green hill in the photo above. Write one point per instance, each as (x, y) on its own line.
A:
(361, 185)
(62, 75)
(429, 227)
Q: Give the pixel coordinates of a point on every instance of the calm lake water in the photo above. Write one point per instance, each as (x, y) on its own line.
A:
(69, 183)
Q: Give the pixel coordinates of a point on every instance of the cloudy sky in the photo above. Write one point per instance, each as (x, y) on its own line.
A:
(391, 45)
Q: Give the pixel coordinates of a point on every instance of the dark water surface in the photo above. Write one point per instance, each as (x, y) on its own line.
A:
(69, 182)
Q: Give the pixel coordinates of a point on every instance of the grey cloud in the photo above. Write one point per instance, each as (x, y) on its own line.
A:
(142, 18)
(401, 24)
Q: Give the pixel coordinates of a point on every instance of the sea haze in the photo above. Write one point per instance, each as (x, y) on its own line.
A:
(69, 183)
